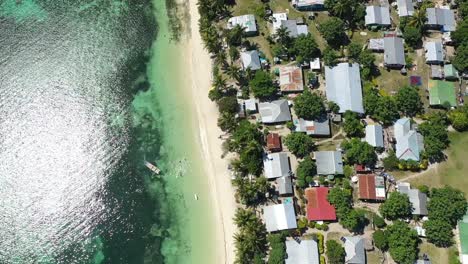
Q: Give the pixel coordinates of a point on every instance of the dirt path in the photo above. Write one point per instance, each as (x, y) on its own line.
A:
(433, 166)
(330, 139)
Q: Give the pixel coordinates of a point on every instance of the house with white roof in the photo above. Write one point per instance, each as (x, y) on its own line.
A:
(308, 5)
(320, 128)
(284, 185)
(247, 22)
(377, 16)
(274, 112)
(305, 252)
(405, 8)
(434, 52)
(279, 217)
(276, 20)
(441, 18)
(343, 86)
(250, 59)
(354, 248)
(374, 135)
(417, 198)
(329, 162)
(409, 143)
(276, 165)
(293, 28)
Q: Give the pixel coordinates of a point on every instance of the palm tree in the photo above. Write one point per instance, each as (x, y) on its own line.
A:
(221, 59)
(219, 82)
(233, 71)
(418, 19)
(282, 36)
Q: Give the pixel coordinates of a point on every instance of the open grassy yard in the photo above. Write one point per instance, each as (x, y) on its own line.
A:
(452, 172)
(374, 257)
(437, 255)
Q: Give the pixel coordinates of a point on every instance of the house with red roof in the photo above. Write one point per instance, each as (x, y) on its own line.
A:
(318, 207)
(371, 187)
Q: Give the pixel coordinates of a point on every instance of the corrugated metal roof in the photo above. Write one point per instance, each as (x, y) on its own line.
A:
(417, 199)
(277, 18)
(317, 127)
(405, 8)
(305, 252)
(245, 21)
(371, 187)
(250, 59)
(318, 207)
(441, 92)
(329, 162)
(409, 146)
(275, 112)
(437, 71)
(354, 247)
(376, 44)
(450, 71)
(284, 185)
(343, 86)
(434, 52)
(276, 165)
(377, 15)
(291, 79)
(374, 135)
(279, 217)
(394, 52)
(442, 17)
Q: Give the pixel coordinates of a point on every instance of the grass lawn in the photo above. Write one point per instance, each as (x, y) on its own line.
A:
(436, 255)
(453, 171)
(374, 257)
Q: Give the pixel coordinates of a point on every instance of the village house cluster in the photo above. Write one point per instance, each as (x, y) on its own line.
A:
(303, 206)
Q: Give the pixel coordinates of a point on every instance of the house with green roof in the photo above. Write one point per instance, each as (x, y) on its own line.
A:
(463, 233)
(441, 93)
(450, 72)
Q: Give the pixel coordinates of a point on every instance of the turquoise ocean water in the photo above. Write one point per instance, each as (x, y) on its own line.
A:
(78, 117)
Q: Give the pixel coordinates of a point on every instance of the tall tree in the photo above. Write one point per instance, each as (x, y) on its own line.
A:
(299, 144)
(447, 204)
(309, 106)
(262, 85)
(409, 101)
(333, 31)
(335, 252)
(397, 206)
(402, 242)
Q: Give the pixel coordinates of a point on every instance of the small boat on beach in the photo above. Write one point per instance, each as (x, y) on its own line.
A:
(196, 197)
(152, 167)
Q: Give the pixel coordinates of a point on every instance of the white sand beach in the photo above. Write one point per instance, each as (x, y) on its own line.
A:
(207, 114)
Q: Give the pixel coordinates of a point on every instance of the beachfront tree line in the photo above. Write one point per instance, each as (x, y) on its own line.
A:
(247, 140)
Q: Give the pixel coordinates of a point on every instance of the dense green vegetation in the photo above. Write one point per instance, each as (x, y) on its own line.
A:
(309, 106)
(299, 144)
(397, 206)
(335, 252)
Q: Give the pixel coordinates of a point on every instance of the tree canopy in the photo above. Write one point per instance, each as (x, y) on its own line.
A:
(250, 239)
(262, 85)
(278, 249)
(439, 232)
(251, 192)
(330, 57)
(459, 118)
(408, 101)
(335, 252)
(447, 204)
(359, 152)
(461, 59)
(412, 35)
(228, 104)
(309, 106)
(305, 48)
(306, 170)
(380, 240)
(333, 31)
(397, 206)
(435, 135)
(299, 144)
(402, 242)
(352, 125)
(352, 12)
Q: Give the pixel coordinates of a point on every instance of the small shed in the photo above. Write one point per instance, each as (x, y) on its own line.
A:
(315, 64)
(434, 52)
(450, 73)
(437, 72)
(284, 185)
(376, 44)
(274, 142)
